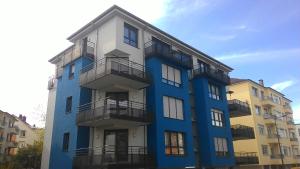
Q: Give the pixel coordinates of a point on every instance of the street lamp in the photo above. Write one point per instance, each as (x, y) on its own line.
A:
(274, 117)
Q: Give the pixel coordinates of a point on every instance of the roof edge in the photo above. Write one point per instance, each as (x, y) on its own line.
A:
(149, 25)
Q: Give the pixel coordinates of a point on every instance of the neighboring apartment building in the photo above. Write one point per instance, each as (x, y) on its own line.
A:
(15, 133)
(128, 95)
(8, 136)
(260, 140)
(298, 137)
(28, 134)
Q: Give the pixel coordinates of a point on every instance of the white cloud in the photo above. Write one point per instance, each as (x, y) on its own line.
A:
(283, 85)
(260, 55)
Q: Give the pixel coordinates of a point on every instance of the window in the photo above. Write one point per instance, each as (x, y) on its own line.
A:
(217, 117)
(282, 132)
(221, 147)
(214, 91)
(66, 142)
(276, 99)
(261, 129)
(23, 133)
(69, 104)
(264, 149)
(285, 150)
(254, 91)
(171, 75)
(130, 35)
(299, 132)
(173, 108)
(257, 110)
(262, 95)
(71, 71)
(174, 143)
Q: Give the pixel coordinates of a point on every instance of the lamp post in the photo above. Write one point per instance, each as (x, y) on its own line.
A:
(274, 117)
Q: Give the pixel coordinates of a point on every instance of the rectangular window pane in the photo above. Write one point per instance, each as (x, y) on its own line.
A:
(179, 109)
(177, 76)
(66, 141)
(130, 35)
(166, 106)
(171, 75)
(216, 144)
(172, 108)
(164, 71)
(69, 104)
(180, 140)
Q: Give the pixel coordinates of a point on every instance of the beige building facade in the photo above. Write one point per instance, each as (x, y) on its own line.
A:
(274, 142)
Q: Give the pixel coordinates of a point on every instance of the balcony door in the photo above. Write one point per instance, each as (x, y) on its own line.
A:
(116, 145)
(117, 103)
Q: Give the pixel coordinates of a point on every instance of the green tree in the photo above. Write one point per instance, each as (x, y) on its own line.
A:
(28, 157)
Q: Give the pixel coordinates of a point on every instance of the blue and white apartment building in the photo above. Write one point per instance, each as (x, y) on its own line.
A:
(129, 95)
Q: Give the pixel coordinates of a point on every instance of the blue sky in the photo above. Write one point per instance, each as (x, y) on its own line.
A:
(258, 38)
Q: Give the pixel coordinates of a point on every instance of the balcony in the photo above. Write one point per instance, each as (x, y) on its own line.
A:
(156, 49)
(87, 49)
(245, 158)
(51, 83)
(294, 139)
(109, 112)
(276, 156)
(110, 158)
(240, 132)
(268, 101)
(296, 156)
(287, 107)
(238, 108)
(211, 73)
(111, 74)
(12, 144)
(269, 118)
(14, 130)
(3, 124)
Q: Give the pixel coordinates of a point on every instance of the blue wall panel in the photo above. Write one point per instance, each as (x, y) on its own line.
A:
(66, 122)
(155, 93)
(207, 132)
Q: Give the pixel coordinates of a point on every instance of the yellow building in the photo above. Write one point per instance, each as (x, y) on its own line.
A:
(257, 143)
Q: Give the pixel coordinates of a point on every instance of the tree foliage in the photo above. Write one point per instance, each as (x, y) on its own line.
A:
(28, 157)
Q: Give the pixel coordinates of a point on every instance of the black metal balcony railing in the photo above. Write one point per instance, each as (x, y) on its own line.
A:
(211, 73)
(113, 65)
(110, 157)
(276, 156)
(238, 108)
(111, 109)
(293, 139)
(12, 144)
(153, 48)
(243, 158)
(240, 132)
(290, 121)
